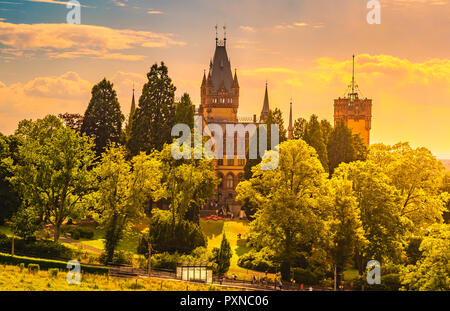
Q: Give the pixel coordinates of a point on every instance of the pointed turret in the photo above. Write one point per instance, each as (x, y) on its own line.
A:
(204, 79)
(133, 105)
(290, 128)
(265, 109)
(235, 80)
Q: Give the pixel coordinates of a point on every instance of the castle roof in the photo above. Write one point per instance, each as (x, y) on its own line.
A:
(220, 70)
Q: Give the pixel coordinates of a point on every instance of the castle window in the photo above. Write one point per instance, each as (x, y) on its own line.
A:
(241, 162)
(230, 181)
(220, 162)
(230, 162)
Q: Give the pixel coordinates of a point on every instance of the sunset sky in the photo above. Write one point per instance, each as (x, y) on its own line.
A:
(303, 48)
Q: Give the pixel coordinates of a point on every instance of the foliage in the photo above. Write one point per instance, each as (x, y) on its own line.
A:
(154, 117)
(103, 119)
(39, 248)
(315, 137)
(72, 120)
(288, 200)
(258, 260)
(418, 176)
(124, 189)
(344, 225)
(53, 272)
(344, 147)
(119, 258)
(53, 170)
(184, 111)
(431, 271)
(221, 256)
(78, 232)
(307, 276)
(185, 237)
(9, 197)
(47, 263)
(276, 117)
(379, 210)
(33, 268)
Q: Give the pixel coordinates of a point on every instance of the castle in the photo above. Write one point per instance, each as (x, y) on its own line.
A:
(219, 104)
(355, 112)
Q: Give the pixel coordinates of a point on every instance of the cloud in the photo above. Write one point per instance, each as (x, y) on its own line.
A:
(247, 28)
(70, 40)
(154, 12)
(296, 25)
(58, 2)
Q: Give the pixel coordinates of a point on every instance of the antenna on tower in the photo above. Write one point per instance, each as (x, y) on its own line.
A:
(217, 39)
(224, 34)
(353, 75)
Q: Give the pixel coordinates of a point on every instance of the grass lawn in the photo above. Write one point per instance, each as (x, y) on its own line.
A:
(13, 279)
(5, 230)
(214, 230)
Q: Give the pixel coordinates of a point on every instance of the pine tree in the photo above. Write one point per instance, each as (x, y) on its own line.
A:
(223, 256)
(184, 111)
(315, 138)
(153, 120)
(103, 118)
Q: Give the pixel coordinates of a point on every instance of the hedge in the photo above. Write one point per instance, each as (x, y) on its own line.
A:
(46, 264)
(41, 248)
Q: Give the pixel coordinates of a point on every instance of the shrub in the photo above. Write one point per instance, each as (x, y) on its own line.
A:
(185, 237)
(119, 258)
(21, 266)
(40, 248)
(53, 272)
(3, 236)
(46, 264)
(79, 232)
(259, 261)
(75, 235)
(33, 268)
(307, 276)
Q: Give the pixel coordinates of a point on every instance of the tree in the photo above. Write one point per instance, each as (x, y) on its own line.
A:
(103, 118)
(72, 120)
(326, 128)
(123, 190)
(418, 176)
(187, 184)
(222, 256)
(343, 225)
(379, 211)
(9, 198)
(431, 272)
(276, 117)
(53, 170)
(154, 118)
(298, 131)
(288, 202)
(184, 111)
(315, 138)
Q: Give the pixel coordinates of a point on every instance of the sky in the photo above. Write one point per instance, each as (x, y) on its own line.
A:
(302, 48)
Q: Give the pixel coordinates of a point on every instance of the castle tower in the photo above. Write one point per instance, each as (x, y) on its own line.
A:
(265, 109)
(219, 99)
(290, 128)
(355, 112)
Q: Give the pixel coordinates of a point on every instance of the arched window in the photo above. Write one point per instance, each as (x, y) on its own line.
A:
(230, 181)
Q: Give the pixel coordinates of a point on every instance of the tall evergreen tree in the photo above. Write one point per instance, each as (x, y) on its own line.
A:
(299, 128)
(222, 256)
(184, 111)
(315, 138)
(153, 120)
(103, 118)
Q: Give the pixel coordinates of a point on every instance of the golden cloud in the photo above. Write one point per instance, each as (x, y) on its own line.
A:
(70, 40)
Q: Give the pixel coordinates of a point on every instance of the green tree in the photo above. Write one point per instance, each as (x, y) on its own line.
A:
(103, 119)
(276, 117)
(418, 176)
(222, 256)
(378, 205)
(9, 198)
(288, 202)
(184, 111)
(123, 190)
(154, 117)
(344, 225)
(53, 171)
(326, 128)
(431, 272)
(298, 131)
(315, 138)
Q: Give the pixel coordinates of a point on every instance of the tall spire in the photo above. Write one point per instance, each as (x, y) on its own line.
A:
(353, 75)
(265, 109)
(217, 37)
(290, 128)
